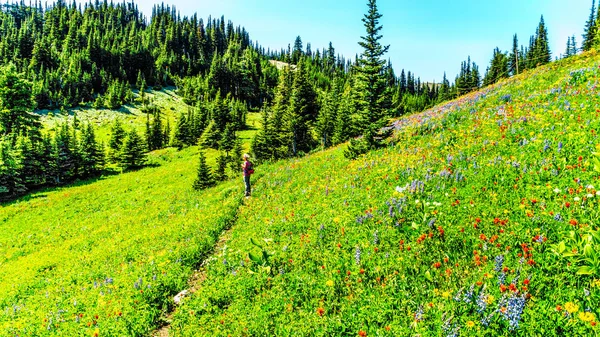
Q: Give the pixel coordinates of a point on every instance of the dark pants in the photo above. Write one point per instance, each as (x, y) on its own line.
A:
(247, 183)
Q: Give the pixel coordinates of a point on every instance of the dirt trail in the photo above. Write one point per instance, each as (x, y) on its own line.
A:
(194, 282)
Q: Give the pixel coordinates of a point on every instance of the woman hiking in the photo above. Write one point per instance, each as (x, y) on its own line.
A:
(248, 170)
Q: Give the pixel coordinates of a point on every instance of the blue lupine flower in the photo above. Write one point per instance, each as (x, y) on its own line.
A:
(357, 255)
(498, 261)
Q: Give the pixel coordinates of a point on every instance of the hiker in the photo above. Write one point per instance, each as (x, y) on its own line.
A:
(248, 169)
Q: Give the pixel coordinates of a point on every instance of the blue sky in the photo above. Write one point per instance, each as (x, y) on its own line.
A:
(427, 37)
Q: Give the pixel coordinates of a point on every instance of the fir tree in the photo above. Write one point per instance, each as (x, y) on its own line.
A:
(513, 57)
(204, 178)
(302, 111)
(31, 169)
(220, 172)
(228, 139)
(92, 154)
(133, 153)
(116, 141)
(65, 154)
(590, 30)
(16, 103)
(11, 184)
(374, 97)
(542, 54)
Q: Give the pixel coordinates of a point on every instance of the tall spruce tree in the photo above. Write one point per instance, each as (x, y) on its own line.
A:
(542, 54)
(11, 184)
(133, 153)
(375, 100)
(302, 112)
(115, 143)
(16, 103)
(92, 154)
(591, 29)
(204, 177)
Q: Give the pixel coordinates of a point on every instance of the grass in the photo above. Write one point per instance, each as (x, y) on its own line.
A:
(107, 255)
(481, 218)
(130, 115)
(472, 222)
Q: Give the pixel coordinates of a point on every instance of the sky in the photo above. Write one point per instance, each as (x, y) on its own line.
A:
(426, 37)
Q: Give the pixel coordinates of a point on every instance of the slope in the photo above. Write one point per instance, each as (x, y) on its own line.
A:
(480, 220)
(105, 257)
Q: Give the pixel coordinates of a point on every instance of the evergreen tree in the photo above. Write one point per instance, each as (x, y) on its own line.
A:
(228, 139)
(133, 154)
(65, 155)
(16, 103)
(92, 154)
(182, 137)
(11, 184)
(298, 50)
(590, 30)
(220, 172)
(302, 112)
(542, 54)
(211, 136)
(31, 168)
(374, 97)
(327, 117)
(513, 57)
(498, 68)
(204, 178)
(116, 141)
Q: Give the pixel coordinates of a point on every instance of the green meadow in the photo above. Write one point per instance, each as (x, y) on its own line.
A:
(479, 218)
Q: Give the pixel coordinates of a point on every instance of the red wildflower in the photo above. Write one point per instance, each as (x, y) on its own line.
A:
(502, 288)
(362, 333)
(320, 311)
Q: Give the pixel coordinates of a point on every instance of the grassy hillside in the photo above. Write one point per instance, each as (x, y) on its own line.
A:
(108, 255)
(481, 220)
(131, 116)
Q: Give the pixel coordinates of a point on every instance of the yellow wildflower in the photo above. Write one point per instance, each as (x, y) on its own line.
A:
(571, 307)
(329, 283)
(587, 316)
(470, 324)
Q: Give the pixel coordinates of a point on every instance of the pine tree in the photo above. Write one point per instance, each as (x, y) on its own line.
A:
(542, 52)
(11, 184)
(16, 103)
(220, 172)
(298, 50)
(65, 154)
(573, 46)
(236, 154)
(498, 68)
(327, 116)
(590, 30)
(302, 111)
(211, 136)
(513, 57)
(228, 139)
(182, 137)
(133, 153)
(204, 178)
(31, 170)
(116, 141)
(92, 154)
(375, 99)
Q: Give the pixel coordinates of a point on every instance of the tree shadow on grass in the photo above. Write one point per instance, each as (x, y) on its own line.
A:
(42, 192)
